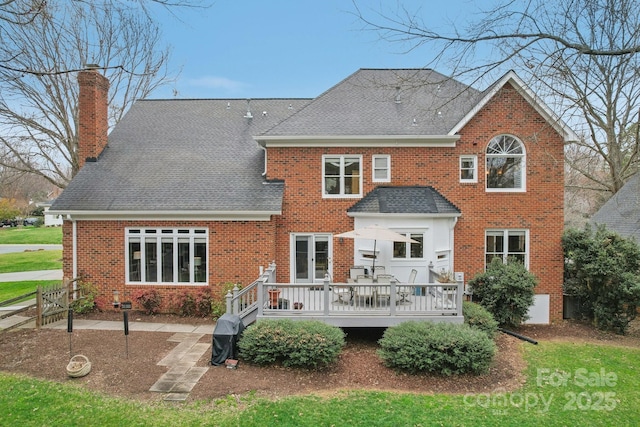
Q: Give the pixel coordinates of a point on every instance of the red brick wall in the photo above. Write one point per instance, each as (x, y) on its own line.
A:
(236, 251)
(539, 209)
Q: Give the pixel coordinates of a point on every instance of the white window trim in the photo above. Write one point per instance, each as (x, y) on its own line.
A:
(342, 196)
(475, 168)
(407, 256)
(523, 164)
(139, 232)
(506, 231)
(373, 168)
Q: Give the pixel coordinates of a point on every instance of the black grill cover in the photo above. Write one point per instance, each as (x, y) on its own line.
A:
(228, 329)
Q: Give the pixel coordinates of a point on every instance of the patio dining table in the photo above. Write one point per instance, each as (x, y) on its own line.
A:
(370, 293)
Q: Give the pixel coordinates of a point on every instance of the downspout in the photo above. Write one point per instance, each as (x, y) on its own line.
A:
(264, 173)
(74, 256)
(452, 242)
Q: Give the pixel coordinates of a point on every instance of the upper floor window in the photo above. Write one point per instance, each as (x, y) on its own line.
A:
(505, 164)
(468, 169)
(166, 255)
(381, 165)
(341, 176)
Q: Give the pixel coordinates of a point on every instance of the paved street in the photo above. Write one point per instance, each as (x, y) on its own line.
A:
(5, 249)
(21, 276)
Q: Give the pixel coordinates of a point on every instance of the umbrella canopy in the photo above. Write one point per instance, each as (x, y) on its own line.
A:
(375, 233)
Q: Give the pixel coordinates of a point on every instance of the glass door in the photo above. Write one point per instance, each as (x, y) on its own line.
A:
(312, 257)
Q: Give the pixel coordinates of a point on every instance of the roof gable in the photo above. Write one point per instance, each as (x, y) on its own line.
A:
(512, 78)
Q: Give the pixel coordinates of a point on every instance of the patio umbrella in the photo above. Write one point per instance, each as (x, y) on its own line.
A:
(375, 233)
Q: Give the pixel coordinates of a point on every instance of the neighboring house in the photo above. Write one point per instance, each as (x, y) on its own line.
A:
(621, 213)
(50, 220)
(188, 193)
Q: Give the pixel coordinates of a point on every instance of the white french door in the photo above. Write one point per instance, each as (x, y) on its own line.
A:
(311, 257)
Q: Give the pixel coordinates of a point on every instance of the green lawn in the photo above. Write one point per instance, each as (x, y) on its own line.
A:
(30, 261)
(30, 235)
(10, 290)
(567, 384)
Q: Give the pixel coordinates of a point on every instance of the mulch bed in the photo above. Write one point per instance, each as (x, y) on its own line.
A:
(127, 366)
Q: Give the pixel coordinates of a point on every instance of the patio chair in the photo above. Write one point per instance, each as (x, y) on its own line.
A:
(366, 292)
(343, 294)
(378, 270)
(384, 291)
(356, 270)
(405, 291)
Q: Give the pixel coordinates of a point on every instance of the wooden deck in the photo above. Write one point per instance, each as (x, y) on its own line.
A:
(349, 304)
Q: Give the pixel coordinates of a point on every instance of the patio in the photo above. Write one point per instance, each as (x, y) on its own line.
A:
(347, 304)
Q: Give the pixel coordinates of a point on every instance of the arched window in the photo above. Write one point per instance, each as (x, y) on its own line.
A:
(506, 161)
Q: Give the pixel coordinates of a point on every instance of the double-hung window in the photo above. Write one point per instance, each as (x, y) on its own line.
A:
(341, 176)
(468, 169)
(166, 255)
(506, 163)
(381, 166)
(506, 244)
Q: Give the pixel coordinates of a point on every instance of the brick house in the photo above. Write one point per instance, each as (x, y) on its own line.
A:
(190, 193)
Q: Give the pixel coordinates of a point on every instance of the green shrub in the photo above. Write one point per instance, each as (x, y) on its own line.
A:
(302, 344)
(219, 301)
(505, 290)
(149, 299)
(86, 301)
(438, 348)
(479, 317)
(602, 269)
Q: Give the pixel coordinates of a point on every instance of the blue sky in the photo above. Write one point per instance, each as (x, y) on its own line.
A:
(281, 48)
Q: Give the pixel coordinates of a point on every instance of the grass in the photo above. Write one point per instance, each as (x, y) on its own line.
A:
(567, 384)
(30, 261)
(31, 235)
(10, 290)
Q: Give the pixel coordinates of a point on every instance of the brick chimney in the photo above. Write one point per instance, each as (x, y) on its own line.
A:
(93, 124)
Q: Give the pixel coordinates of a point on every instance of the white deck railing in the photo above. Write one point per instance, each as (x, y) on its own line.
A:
(347, 304)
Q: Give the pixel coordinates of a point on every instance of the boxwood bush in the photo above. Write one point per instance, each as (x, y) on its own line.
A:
(479, 317)
(439, 348)
(295, 343)
(506, 290)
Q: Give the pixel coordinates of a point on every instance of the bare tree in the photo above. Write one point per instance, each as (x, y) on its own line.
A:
(38, 109)
(44, 44)
(580, 56)
(20, 12)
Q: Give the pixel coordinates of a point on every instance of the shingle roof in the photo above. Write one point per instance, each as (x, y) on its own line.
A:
(200, 155)
(621, 213)
(384, 102)
(405, 200)
(177, 155)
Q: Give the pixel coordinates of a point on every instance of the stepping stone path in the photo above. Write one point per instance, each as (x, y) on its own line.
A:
(182, 375)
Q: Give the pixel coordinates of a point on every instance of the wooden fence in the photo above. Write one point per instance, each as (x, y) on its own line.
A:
(50, 304)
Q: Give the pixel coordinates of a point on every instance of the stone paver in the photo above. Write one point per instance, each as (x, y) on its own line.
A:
(182, 375)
